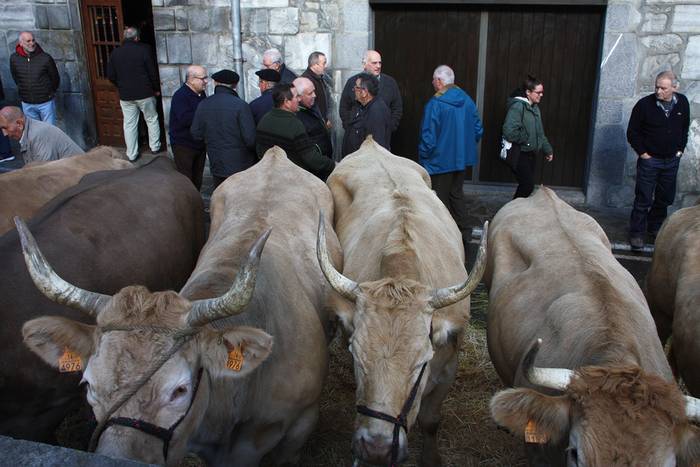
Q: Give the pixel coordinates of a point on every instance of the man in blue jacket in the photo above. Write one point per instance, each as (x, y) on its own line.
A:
(450, 130)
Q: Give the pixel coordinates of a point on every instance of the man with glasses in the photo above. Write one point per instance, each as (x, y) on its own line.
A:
(189, 153)
(370, 116)
(272, 60)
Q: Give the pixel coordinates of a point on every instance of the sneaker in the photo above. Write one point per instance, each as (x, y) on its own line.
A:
(7, 159)
(637, 243)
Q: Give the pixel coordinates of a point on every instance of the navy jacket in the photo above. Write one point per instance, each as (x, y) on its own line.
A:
(388, 91)
(225, 123)
(315, 126)
(261, 105)
(373, 119)
(650, 131)
(182, 108)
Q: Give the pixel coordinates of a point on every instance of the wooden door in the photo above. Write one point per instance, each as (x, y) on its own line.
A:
(413, 41)
(560, 46)
(102, 27)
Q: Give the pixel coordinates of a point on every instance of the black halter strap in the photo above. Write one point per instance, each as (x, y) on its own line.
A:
(398, 422)
(164, 434)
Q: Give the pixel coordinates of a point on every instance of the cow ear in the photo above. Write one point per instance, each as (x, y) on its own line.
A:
(514, 408)
(688, 452)
(50, 336)
(445, 329)
(342, 310)
(236, 352)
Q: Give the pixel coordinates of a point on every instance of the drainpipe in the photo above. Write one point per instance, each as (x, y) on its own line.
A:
(237, 45)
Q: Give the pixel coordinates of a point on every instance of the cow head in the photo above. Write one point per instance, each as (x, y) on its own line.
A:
(394, 330)
(151, 357)
(613, 416)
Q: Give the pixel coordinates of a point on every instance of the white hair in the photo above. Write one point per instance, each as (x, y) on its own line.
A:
(365, 57)
(274, 55)
(131, 33)
(445, 74)
(301, 84)
(668, 74)
(192, 69)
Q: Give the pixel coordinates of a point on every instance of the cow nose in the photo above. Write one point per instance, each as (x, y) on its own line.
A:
(376, 448)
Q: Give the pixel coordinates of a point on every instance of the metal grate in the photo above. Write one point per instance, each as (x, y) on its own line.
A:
(105, 35)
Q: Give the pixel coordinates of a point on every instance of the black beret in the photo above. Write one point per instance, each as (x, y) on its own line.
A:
(268, 74)
(226, 77)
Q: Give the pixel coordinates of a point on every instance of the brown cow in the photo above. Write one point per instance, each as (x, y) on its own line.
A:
(673, 291)
(207, 395)
(611, 397)
(403, 254)
(26, 190)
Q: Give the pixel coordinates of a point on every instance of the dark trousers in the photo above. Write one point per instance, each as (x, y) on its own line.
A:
(654, 192)
(190, 163)
(449, 187)
(4, 146)
(525, 174)
(218, 181)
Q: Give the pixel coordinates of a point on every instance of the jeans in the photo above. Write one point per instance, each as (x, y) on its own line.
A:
(449, 187)
(130, 110)
(654, 192)
(46, 111)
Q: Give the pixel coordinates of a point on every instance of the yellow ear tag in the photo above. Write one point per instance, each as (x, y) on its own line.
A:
(69, 362)
(533, 435)
(235, 358)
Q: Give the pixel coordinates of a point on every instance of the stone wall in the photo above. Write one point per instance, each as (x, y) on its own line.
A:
(57, 28)
(643, 38)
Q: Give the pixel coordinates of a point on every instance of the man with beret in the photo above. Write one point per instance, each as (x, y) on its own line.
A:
(267, 78)
(224, 122)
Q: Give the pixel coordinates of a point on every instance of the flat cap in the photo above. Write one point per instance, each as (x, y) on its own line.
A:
(268, 74)
(226, 77)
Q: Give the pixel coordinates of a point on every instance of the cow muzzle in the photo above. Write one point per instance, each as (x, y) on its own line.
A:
(376, 448)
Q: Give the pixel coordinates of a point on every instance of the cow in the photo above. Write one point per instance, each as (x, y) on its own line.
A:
(601, 388)
(112, 229)
(400, 298)
(26, 190)
(166, 371)
(672, 289)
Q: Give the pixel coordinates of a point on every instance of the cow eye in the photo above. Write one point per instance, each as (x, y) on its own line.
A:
(178, 392)
(572, 455)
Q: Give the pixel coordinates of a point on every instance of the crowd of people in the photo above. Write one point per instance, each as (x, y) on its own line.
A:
(294, 112)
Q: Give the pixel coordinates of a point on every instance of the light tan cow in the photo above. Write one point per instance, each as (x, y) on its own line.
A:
(405, 316)
(601, 385)
(208, 395)
(23, 192)
(673, 291)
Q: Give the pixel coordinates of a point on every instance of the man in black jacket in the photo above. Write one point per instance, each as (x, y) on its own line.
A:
(370, 117)
(37, 79)
(658, 133)
(272, 59)
(316, 72)
(388, 91)
(225, 123)
(310, 116)
(132, 69)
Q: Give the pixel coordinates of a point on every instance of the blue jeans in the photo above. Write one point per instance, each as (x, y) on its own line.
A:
(4, 146)
(46, 111)
(654, 192)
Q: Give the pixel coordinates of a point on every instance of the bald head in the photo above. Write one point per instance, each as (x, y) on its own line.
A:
(12, 122)
(306, 91)
(26, 40)
(197, 78)
(372, 62)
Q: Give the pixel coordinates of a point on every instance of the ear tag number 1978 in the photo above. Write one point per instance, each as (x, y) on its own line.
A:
(69, 362)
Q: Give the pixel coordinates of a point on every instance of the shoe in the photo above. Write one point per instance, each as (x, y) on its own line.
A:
(7, 159)
(134, 159)
(637, 243)
(155, 153)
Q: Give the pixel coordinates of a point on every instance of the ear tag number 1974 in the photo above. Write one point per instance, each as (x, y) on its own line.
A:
(69, 362)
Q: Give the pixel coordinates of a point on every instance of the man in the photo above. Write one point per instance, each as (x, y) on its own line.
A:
(39, 141)
(388, 91)
(280, 127)
(132, 69)
(224, 122)
(272, 59)
(370, 117)
(658, 133)
(37, 79)
(450, 130)
(267, 79)
(189, 153)
(310, 116)
(316, 72)
(5, 152)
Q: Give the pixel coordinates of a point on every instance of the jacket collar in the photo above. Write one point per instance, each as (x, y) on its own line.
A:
(445, 89)
(224, 90)
(23, 53)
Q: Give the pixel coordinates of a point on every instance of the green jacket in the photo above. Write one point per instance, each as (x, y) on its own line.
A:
(523, 125)
(281, 128)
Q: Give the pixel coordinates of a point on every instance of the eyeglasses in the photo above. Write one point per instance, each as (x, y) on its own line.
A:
(203, 78)
(358, 88)
(537, 92)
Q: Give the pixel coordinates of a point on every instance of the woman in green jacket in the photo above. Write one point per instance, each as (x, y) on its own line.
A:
(523, 126)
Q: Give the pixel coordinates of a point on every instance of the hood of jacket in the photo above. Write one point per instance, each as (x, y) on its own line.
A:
(452, 95)
(23, 53)
(513, 100)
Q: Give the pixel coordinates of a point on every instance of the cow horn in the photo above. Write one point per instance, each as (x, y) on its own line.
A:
(553, 378)
(50, 283)
(241, 291)
(692, 408)
(449, 295)
(341, 284)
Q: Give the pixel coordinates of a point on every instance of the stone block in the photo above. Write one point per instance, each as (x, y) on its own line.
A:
(181, 19)
(609, 154)
(686, 18)
(690, 89)
(175, 2)
(309, 21)
(255, 21)
(609, 112)
(663, 43)
(164, 19)
(71, 76)
(157, 3)
(350, 49)
(284, 20)
(264, 3)
(170, 80)
(75, 21)
(330, 16)
(211, 20)
(161, 48)
(59, 44)
(691, 65)
(16, 17)
(59, 17)
(41, 17)
(225, 59)
(619, 73)
(206, 49)
(622, 17)
(620, 196)
(179, 48)
(654, 23)
(655, 64)
(354, 15)
(312, 5)
(297, 48)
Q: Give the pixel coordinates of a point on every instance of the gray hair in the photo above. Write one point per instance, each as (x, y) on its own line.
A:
(445, 74)
(131, 33)
(11, 113)
(19, 36)
(668, 74)
(274, 55)
(315, 57)
(365, 57)
(301, 84)
(192, 69)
